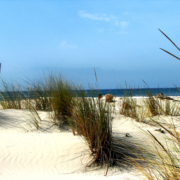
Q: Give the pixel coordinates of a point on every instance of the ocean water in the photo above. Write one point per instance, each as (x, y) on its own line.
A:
(138, 92)
(115, 92)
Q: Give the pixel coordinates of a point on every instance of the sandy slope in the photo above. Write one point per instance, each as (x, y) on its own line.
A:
(48, 153)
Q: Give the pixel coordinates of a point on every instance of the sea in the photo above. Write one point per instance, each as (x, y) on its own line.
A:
(142, 92)
(138, 92)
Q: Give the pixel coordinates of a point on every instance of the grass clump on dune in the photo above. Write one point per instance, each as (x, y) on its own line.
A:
(11, 95)
(128, 108)
(152, 105)
(55, 95)
(160, 106)
(61, 98)
(129, 105)
(170, 107)
(38, 95)
(52, 94)
(167, 164)
(92, 120)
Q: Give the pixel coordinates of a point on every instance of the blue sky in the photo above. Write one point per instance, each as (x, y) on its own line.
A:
(119, 38)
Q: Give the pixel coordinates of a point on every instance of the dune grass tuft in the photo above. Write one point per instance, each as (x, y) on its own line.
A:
(129, 105)
(152, 105)
(166, 165)
(159, 106)
(11, 95)
(52, 94)
(128, 108)
(61, 98)
(91, 119)
(38, 95)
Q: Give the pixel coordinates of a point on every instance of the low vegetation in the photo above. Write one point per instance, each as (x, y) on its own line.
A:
(61, 99)
(91, 118)
(11, 95)
(129, 107)
(167, 163)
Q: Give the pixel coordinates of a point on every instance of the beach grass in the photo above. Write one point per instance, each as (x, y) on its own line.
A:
(129, 106)
(160, 106)
(164, 162)
(61, 98)
(52, 94)
(170, 108)
(92, 120)
(38, 94)
(11, 95)
(153, 105)
(166, 165)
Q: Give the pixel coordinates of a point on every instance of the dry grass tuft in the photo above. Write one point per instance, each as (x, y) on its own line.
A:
(166, 165)
(90, 120)
(129, 107)
(109, 98)
(55, 95)
(11, 95)
(152, 105)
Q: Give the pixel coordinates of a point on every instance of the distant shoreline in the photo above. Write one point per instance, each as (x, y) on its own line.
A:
(143, 92)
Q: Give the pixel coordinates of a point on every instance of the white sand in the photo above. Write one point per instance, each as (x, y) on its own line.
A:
(48, 153)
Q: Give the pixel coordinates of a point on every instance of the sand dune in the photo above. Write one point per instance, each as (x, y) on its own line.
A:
(50, 153)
